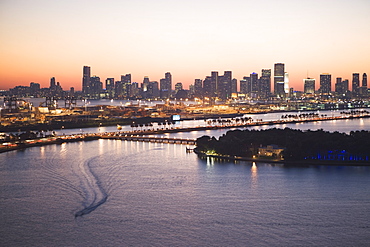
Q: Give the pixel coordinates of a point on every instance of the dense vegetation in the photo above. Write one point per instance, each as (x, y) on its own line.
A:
(298, 144)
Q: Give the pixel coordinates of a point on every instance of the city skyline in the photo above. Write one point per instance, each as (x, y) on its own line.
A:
(44, 39)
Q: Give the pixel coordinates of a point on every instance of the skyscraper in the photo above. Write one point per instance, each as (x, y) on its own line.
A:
(95, 88)
(198, 88)
(86, 80)
(364, 80)
(234, 86)
(168, 78)
(339, 86)
(214, 81)
(254, 83)
(279, 70)
(356, 83)
(364, 90)
(208, 87)
(224, 85)
(165, 86)
(325, 83)
(126, 85)
(52, 83)
(286, 83)
(265, 83)
(245, 85)
(309, 85)
(109, 86)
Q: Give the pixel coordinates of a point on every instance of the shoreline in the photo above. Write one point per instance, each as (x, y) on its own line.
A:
(289, 163)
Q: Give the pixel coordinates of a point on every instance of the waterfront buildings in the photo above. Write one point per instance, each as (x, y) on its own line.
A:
(279, 71)
(309, 86)
(214, 87)
(325, 83)
(86, 74)
(355, 83)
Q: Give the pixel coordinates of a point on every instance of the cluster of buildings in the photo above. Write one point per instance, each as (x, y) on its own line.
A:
(214, 87)
(341, 86)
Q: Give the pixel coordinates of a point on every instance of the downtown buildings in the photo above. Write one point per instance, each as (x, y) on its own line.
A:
(267, 85)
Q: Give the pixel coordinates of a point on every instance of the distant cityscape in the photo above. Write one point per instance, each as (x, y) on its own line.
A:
(214, 87)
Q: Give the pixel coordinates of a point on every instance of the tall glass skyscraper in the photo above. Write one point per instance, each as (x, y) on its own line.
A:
(279, 72)
(325, 83)
(355, 82)
(86, 79)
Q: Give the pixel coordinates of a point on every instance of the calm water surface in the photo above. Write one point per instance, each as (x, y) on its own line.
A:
(118, 193)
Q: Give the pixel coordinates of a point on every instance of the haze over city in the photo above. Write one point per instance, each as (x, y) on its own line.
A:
(44, 39)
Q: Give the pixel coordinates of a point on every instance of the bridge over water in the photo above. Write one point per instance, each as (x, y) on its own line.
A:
(155, 139)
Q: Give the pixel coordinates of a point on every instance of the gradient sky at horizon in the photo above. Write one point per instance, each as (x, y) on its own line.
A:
(40, 39)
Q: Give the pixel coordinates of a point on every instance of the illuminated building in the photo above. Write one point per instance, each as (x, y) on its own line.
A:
(325, 83)
(245, 85)
(265, 83)
(109, 86)
(286, 83)
(309, 85)
(198, 88)
(254, 84)
(356, 83)
(279, 70)
(165, 86)
(86, 80)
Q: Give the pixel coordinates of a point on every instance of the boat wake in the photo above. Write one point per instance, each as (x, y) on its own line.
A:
(90, 208)
(95, 195)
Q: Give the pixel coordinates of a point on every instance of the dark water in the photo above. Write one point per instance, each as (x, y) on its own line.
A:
(118, 193)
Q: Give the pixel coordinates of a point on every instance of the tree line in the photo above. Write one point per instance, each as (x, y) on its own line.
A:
(297, 144)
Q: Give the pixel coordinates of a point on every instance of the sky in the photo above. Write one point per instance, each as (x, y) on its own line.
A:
(40, 39)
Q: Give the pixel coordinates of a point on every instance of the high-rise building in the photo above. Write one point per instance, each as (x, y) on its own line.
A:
(126, 86)
(34, 88)
(178, 87)
(234, 86)
(95, 88)
(208, 87)
(339, 89)
(254, 84)
(165, 86)
(214, 82)
(146, 88)
(265, 83)
(198, 88)
(286, 83)
(325, 83)
(279, 71)
(86, 80)
(345, 85)
(134, 92)
(52, 83)
(155, 89)
(364, 80)
(245, 85)
(168, 78)
(363, 89)
(224, 85)
(309, 86)
(355, 83)
(109, 86)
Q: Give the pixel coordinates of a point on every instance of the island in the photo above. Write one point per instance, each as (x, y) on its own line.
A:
(289, 146)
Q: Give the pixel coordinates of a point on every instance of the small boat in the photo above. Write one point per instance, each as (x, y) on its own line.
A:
(119, 127)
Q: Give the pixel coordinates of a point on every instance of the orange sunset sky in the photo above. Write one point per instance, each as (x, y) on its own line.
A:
(40, 39)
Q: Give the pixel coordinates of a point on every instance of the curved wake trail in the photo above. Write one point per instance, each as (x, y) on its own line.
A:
(95, 194)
